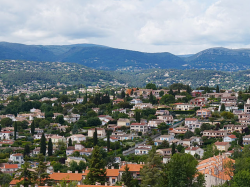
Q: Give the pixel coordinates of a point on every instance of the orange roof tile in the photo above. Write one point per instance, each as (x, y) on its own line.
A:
(10, 166)
(112, 172)
(132, 167)
(66, 176)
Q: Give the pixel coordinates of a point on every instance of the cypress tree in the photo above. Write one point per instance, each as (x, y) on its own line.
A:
(32, 128)
(15, 130)
(122, 94)
(26, 150)
(138, 116)
(151, 98)
(173, 149)
(222, 107)
(50, 147)
(95, 137)
(217, 89)
(43, 145)
(108, 141)
(70, 142)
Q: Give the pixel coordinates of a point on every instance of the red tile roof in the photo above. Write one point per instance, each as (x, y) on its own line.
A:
(10, 166)
(132, 167)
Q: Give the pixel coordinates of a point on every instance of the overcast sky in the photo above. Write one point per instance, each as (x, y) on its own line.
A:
(176, 26)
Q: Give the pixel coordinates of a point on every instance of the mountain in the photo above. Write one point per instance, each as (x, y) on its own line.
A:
(90, 55)
(220, 59)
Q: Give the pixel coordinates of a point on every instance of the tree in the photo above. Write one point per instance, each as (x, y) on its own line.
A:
(151, 86)
(26, 151)
(188, 134)
(222, 107)
(137, 116)
(108, 141)
(75, 129)
(151, 98)
(181, 171)
(210, 151)
(5, 179)
(122, 94)
(27, 175)
(240, 140)
(217, 89)
(70, 142)
(6, 122)
(173, 149)
(50, 147)
(161, 93)
(127, 177)
(73, 166)
(95, 121)
(151, 174)
(32, 128)
(95, 138)
(97, 171)
(15, 130)
(242, 179)
(43, 145)
(42, 177)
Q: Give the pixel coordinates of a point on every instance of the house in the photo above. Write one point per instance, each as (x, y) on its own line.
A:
(214, 133)
(79, 100)
(119, 110)
(192, 123)
(204, 113)
(57, 177)
(235, 128)
(183, 106)
(112, 176)
(135, 101)
(134, 169)
(199, 101)
(116, 101)
(70, 150)
(6, 142)
(100, 132)
(9, 168)
(192, 141)
(232, 100)
(178, 130)
(247, 106)
(72, 118)
(77, 138)
(161, 112)
(105, 119)
(123, 122)
(155, 122)
(142, 106)
(76, 159)
(139, 127)
(7, 135)
(165, 152)
(222, 146)
(142, 149)
(17, 158)
(214, 170)
(159, 140)
(166, 118)
(229, 138)
(246, 140)
(194, 150)
(56, 138)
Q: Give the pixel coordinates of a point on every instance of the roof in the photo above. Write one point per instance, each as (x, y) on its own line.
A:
(18, 154)
(232, 136)
(93, 186)
(68, 176)
(192, 148)
(138, 124)
(132, 167)
(221, 143)
(191, 119)
(112, 172)
(10, 166)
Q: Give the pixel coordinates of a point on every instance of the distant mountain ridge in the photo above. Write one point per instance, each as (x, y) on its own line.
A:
(107, 58)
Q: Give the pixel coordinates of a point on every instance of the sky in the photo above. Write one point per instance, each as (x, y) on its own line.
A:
(175, 26)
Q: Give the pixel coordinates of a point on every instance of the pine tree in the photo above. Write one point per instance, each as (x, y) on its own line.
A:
(26, 176)
(50, 147)
(42, 177)
(171, 92)
(75, 129)
(85, 98)
(43, 145)
(108, 141)
(97, 171)
(151, 173)
(127, 177)
(95, 138)
(70, 142)
(15, 130)
(32, 127)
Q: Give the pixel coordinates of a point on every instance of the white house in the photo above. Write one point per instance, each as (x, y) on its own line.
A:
(195, 150)
(17, 158)
(192, 123)
(142, 149)
(135, 101)
(229, 138)
(77, 138)
(7, 135)
(159, 140)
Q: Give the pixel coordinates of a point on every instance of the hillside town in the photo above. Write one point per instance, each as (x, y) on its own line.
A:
(125, 136)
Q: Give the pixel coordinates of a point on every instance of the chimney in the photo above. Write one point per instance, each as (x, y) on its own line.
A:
(69, 171)
(106, 184)
(112, 167)
(58, 171)
(83, 171)
(76, 171)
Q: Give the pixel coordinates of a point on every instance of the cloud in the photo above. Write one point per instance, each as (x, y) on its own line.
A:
(177, 26)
